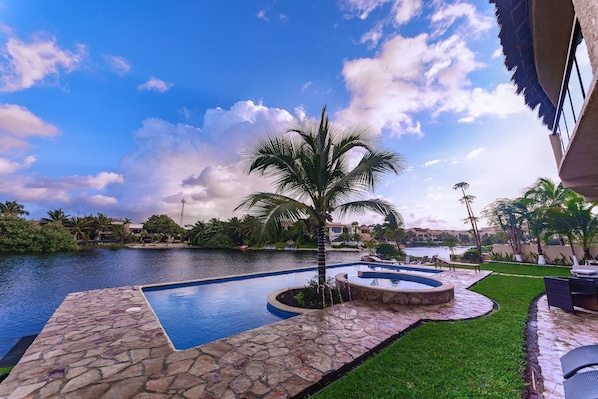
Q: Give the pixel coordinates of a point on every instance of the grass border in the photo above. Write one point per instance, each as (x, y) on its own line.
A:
(341, 373)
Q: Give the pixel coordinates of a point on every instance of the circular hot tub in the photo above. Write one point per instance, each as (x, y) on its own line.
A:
(393, 287)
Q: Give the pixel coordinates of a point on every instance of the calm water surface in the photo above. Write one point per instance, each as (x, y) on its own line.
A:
(33, 286)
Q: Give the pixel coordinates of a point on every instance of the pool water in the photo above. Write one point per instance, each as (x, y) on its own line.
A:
(33, 285)
(389, 282)
(195, 313)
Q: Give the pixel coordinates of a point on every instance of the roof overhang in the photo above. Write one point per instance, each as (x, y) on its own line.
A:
(536, 32)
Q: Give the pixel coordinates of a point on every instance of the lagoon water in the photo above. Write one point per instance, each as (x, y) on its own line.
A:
(33, 286)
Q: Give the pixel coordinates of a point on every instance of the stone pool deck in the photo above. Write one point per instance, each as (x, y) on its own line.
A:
(109, 344)
(558, 333)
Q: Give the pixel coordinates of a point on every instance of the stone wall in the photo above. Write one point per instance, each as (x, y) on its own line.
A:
(550, 251)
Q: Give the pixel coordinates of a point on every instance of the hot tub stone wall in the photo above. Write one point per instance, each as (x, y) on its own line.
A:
(434, 296)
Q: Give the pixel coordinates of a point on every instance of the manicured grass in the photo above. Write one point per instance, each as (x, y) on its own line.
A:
(4, 372)
(526, 269)
(476, 358)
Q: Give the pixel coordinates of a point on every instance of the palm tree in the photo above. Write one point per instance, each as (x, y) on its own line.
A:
(394, 229)
(251, 228)
(450, 243)
(577, 221)
(79, 227)
(310, 168)
(103, 225)
(12, 208)
(234, 228)
(467, 200)
(197, 233)
(57, 215)
(548, 196)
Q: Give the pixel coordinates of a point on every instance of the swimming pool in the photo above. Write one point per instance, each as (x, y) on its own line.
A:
(198, 312)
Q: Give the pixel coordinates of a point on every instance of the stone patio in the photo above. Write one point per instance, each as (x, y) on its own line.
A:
(109, 344)
(558, 333)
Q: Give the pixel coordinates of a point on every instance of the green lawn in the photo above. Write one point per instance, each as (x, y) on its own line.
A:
(526, 269)
(467, 359)
(4, 372)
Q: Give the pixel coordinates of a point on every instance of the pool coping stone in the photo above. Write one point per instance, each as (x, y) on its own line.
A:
(109, 343)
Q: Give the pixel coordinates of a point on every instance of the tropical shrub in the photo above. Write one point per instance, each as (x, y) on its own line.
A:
(471, 255)
(316, 296)
(562, 260)
(20, 235)
(55, 237)
(218, 240)
(387, 251)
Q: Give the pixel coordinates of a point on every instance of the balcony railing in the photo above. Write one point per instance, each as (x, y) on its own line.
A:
(576, 81)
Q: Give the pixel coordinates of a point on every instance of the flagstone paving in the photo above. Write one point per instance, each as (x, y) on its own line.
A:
(558, 333)
(109, 344)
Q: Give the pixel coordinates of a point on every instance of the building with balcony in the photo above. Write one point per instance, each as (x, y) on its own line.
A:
(551, 46)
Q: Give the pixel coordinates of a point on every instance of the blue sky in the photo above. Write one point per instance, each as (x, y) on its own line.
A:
(126, 107)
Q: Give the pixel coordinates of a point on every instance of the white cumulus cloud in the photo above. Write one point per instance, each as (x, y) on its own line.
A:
(17, 123)
(447, 14)
(405, 10)
(501, 102)
(103, 179)
(408, 75)
(8, 166)
(201, 164)
(26, 63)
(155, 84)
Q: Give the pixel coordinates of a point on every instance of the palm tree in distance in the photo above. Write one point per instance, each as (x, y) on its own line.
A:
(79, 227)
(309, 164)
(12, 208)
(57, 215)
(548, 198)
(473, 220)
(577, 220)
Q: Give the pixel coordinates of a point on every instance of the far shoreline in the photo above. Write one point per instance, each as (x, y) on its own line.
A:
(177, 245)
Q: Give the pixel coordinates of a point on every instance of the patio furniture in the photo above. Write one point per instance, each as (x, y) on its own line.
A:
(579, 358)
(589, 270)
(582, 385)
(584, 293)
(438, 261)
(558, 293)
(566, 293)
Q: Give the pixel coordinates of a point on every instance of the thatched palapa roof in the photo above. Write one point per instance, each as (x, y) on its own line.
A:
(515, 35)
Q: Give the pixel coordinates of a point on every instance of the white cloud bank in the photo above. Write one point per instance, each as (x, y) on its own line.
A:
(425, 72)
(172, 161)
(25, 64)
(17, 123)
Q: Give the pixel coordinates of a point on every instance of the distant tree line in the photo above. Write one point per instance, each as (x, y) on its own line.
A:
(547, 213)
(62, 232)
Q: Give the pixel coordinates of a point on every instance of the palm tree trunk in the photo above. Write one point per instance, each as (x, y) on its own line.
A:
(321, 255)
